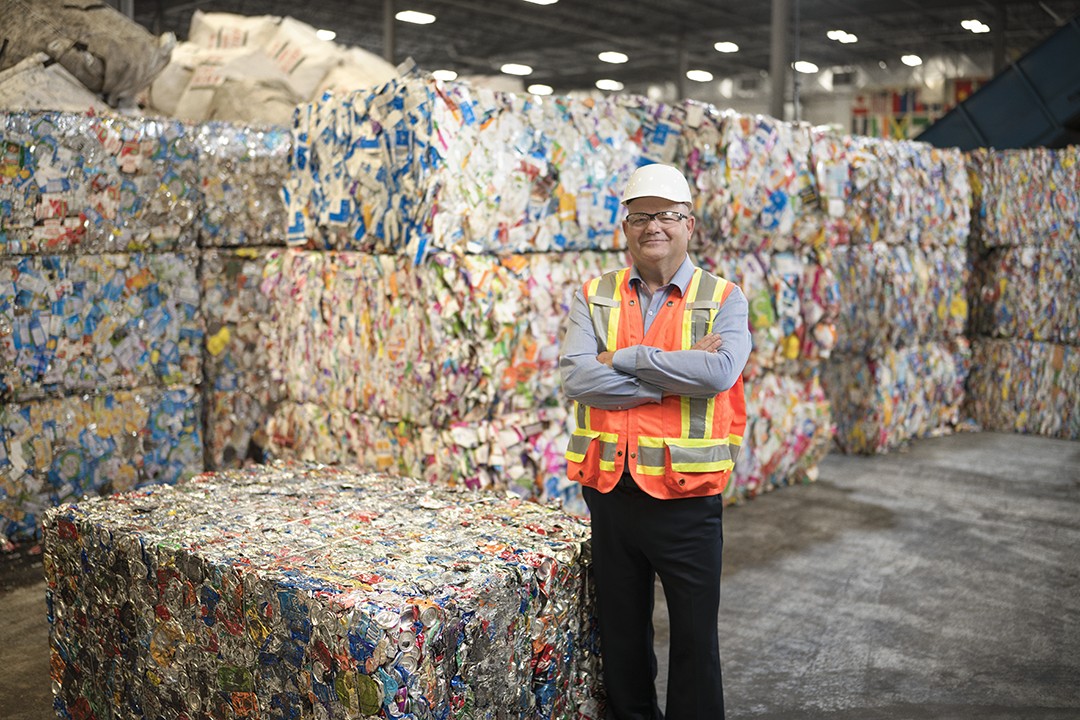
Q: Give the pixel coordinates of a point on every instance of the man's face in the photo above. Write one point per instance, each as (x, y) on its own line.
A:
(657, 244)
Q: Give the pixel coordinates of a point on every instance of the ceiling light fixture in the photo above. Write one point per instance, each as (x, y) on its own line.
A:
(607, 84)
(805, 66)
(325, 34)
(615, 58)
(726, 47)
(911, 60)
(975, 26)
(842, 36)
(542, 2)
(699, 75)
(444, 75)
(540, 89)
(516, 69)
(417, 18)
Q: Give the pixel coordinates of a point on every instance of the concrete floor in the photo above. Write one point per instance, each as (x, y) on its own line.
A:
(940, 582)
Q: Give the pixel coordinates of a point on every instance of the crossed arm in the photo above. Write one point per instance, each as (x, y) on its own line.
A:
(636, 375)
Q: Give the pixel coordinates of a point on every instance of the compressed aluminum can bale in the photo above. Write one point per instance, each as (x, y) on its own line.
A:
(1024, 197)
(96, 184)
(73, 324)
(1024, 386)
(1029, 292)
(58, 450)
(242, 171)
(304, 591)
(239, 392)
(899, 295)
(880, 402)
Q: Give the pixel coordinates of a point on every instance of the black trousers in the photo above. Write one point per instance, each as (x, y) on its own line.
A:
(636, 537)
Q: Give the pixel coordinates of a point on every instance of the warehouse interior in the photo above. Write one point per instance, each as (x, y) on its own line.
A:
(283, 292)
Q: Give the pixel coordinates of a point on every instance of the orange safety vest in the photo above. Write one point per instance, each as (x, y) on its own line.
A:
(681, 446)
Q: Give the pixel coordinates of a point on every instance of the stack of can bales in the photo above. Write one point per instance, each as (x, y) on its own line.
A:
(241, 228)
(1026, 316)
(308, 592)
(899, 217)
(100, 331)
(122, 242)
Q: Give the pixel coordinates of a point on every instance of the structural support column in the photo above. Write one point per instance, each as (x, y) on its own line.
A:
(389, 49)
(999, 29)
(684, 65)
(779, 61)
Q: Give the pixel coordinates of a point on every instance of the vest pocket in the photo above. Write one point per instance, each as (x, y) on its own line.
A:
(700, 455)
(593, 451)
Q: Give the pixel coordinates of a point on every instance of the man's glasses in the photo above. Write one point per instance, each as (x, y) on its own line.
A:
(666, 218)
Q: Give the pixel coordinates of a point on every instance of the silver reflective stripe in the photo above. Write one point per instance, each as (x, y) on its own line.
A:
(734, 451)
(651, 456)
(698, 411)
(691, 459)
(578, 444)
(608, 450)
(581, 411)
(601, 303)
(701, 307)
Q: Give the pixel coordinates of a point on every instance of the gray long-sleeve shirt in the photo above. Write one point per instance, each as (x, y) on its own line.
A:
(643, 374)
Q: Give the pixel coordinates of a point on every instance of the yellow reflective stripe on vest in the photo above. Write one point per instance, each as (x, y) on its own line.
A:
(718, 293)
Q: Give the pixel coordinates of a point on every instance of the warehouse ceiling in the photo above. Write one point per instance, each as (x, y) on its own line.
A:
(562, 41)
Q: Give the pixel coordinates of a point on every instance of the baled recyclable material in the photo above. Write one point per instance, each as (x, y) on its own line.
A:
(897, 192)
(1026, 387)
(793, 303)
(241, 172)
(83, 183)
(416, 166)
(1024, 197)
(517, 453)
(899, 295)
(61, 449)
(455, 339)
(1029, 292)
(239, 393)
(315, 592)
(789, 430)
(881, 402)
(81, 323)
(1026, 312)
(753, 181)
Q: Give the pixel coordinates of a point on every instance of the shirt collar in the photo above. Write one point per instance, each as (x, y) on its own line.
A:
(681, 279)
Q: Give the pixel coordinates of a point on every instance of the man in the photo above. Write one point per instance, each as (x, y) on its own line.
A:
(653, 358)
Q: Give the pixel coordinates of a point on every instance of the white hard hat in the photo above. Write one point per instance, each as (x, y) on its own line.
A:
(656, 180)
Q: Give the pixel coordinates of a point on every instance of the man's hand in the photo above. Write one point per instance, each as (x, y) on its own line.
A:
(606, 358)
(709, 343)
